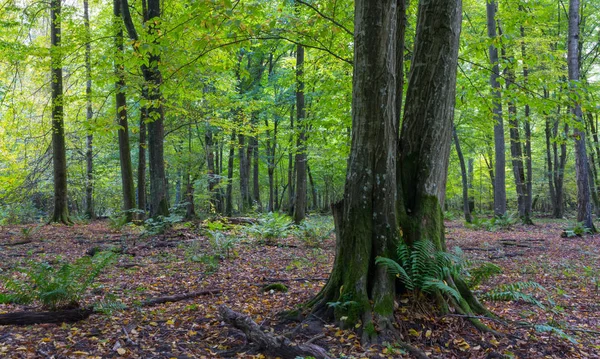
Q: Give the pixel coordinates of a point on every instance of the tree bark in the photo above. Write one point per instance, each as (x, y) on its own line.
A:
(499, 145)
(584, 205)
(464, 177)
(141, 174)
(59, 156)
(376, 203)
(527, 156)
(229, 190)
(121, 115)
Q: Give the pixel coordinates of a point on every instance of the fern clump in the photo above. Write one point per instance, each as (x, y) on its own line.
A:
(271, 227)
(576, 230)
(423, 268)
(54, 287)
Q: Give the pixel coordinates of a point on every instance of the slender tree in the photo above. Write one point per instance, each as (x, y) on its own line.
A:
(464, 177)
(300, 160)
(499, 145)
(121, 115)
(159, 205)
(59, 156)
(89, 153)
(584, 204)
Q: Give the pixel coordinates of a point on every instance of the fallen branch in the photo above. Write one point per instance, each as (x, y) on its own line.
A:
(179, 297)
(60, 316)
(277, 346)
(17, 243)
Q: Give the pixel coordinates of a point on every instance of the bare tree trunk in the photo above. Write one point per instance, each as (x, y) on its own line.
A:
(89, 153)
(59, 156)
(291, 167)
(463, 173)
(584, 205)
(528, 160)
(315, 205)
(500, 161)
(255, 174)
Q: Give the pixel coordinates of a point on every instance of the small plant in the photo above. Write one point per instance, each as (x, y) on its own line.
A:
(576, 230)
(515, 292)
(160, 224)
(55, 287)
(503, 222)
(117, 221)
(271, 227)
(222, 244)
(313, 232)
(27, 232)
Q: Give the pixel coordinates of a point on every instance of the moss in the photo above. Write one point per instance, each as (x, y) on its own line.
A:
(369, 328)
(385, 306)
(277, 287)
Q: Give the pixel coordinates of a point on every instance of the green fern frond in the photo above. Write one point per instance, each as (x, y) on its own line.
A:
(396, 269)
(544, 328)
(431, 285)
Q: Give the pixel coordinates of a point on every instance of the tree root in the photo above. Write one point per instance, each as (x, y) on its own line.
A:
(273, 345)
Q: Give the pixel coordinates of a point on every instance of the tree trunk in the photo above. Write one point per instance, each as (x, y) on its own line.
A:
(121, 114)
(213, 180)
(376, 203)
(315, 204)
(464, 176)
(584, 205)
(528, 161)
(500, 160)
(141, 174)
(470, 181)
(59, 156)
(89, 153)
(229, 190)
(255, 174)
(301, 156)
(159, 205)
(291, 167)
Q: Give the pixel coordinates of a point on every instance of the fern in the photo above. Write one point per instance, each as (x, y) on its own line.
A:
(483, 272)
(545, 328)
(422, 267)
(514, 292)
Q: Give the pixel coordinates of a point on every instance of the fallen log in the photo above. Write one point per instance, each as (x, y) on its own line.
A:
(57, 317)
(237, 220)
(178, 297)
(77, 314)
(277, 346)
(17, 243)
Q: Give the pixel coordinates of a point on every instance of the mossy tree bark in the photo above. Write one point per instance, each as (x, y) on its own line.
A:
(395, 186)
(59, 157)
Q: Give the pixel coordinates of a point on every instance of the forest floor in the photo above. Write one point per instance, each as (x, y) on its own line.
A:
(179, 262)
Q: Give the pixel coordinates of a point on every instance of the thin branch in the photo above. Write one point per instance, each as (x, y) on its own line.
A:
(332, 20)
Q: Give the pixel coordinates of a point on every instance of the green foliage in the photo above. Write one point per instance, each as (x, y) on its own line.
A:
(504, 222)
(223, 244)
(55, 287)
(514, 292)
(423, 268)
(271, 227)
(19, 213)
(576, 230)
(277, 287)
(482, 272)
(314, 230)
(547, 328)
(117, 221)
(160, 224)
(27, 232)
(109, 306)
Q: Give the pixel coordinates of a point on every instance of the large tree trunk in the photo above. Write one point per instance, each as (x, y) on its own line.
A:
(464, 177)
(584, 205)
(89, 153)
(301, 156)
(369, 218)
(59, 156)
(500, 157)
(527, 156)
(121, 114)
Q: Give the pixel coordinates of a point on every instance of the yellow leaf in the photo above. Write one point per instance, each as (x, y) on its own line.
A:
(428, 334)
(121, 351)
(79, 352)
(413, 332)
(154, 324)
(494, 342)
(170, 322)
(462, 345)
